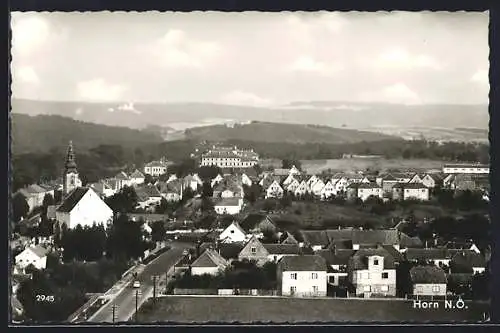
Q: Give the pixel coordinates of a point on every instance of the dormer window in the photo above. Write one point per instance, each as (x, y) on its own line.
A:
(375, 262)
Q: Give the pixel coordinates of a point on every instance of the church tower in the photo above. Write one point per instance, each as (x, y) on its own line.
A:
(71, 180)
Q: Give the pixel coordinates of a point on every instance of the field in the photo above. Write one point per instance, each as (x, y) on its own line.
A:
(186, 309)
(382, 164)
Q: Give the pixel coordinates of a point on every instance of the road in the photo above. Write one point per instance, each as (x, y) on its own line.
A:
(125, 301)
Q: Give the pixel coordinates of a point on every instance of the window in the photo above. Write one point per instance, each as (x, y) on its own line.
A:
(435, 289)
(315, 289)
(293, 276)
(293, 289)
(254, 250)
(375, 262)
(232, 231)
(385, 275)
(420, 289)
(384, 288)
(367, 288)
(314, 276)
(332, 279)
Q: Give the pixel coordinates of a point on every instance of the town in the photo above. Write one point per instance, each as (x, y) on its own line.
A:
(236, 228)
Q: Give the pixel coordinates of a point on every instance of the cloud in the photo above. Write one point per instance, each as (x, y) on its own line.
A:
(25, 74)
(309, 64)
(28, 33)
(481, 76)
(398, 93)
(174, 49)
(238, 97)
(99, 90)
(400, 58)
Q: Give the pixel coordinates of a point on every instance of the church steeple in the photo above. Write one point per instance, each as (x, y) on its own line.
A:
(71, 180)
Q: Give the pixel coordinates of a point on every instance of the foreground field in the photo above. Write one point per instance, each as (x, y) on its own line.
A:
(185, 309)
(382, 164)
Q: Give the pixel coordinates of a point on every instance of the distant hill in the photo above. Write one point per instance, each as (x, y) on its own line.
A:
(369, 116)
(279, 132)
(44, 132)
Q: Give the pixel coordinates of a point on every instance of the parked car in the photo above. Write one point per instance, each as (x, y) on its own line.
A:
(136, 284)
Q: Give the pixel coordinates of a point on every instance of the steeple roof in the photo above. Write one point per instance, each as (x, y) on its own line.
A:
(70, 164)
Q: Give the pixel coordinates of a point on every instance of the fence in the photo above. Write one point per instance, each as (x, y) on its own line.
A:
(182, 291)
(247, 292)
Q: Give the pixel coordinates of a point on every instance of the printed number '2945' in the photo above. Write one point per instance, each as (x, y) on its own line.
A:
(45, 298)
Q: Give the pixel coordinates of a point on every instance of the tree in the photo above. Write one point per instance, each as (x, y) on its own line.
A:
(158, 232)
(252, 193)
(124, 201)
(20, 207)
(206, 190)
(289, 163)
(125, 239)
(48, 200)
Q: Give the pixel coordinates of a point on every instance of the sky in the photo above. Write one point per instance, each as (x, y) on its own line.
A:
(251, 58)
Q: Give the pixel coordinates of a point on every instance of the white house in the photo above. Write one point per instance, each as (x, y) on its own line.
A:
(193, 182)
(302, 276)
(311, 181)
(232, 234)
(172, 191)
(415, 191)
(302, 189)
(33, 255)
(231, 206)
(373, 272)
(364, 190)
(148, 195)
(294, 171)
(466, 168)
(274, 190)
(328, 190)
(136, 177)
(340, 184)
(416, 178)
(83, 206)
(317, 187)
(428, 281)
(288, 180)
(34, 195)
(155, 168)
(430, 181)
(292, 186)
(209, 262)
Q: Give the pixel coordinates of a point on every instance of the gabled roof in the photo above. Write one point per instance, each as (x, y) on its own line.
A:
(122, 176)
(282, 248)
(100, 187)
(414, 186)
(137, 174)
(173, 186)
(72, 199)
(237, 225)
(289, 239)
(359, 260)
(315, 237)
(338, 257)
(155, 164)
(368, 185)
(251, 221)
(38, 250)
(427, 275)
(468, 258)
(383, 237)
(281, 172)
(389, 178)
(226, 250)
(312, 263)
(35, 188)
(147, 191)
(428, 254)
(209, 258)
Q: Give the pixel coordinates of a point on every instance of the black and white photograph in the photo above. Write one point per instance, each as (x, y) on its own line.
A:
(249, 167)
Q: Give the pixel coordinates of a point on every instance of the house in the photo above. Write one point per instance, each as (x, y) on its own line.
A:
(431, 180)
(410, 191)
(416, 178)
(192, 183)
(217, 179)
(428, 281)
(33, 255)
(328, 190)
(229, 157)
(292, 186)
(246, 180)
(302, 276)
(472, 168)
(317, 187)
(274, 190)
(137, 177)
(34, 195)
(316, 239)
(467, 261)
(228, 251)
(403, 177)
(228, 188)
(234, 233)
(156, 168)
(231, 206)
(83, 207)
(209, 262)
(387, 183)
(172, 191)
(363, 191)
(288, 180)
(439, 257)
(254, 251)
(337, 261)
(258, 224)
(372, 272)
(103, 189)
(148, 195)
(287, 238)
(311, 181)
(302, 189)
(124, 179)
(294, 171)
(340, 184)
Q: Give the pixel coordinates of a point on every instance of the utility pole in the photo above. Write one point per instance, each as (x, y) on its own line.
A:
(114, 312)
(154, 289)
(136, 304)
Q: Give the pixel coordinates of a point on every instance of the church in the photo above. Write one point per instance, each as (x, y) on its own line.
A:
(80, 205)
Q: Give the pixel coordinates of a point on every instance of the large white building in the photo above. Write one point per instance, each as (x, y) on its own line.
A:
(229, 157)
(156, 168)
(466, 168)
(33, 255)
(302, 276)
